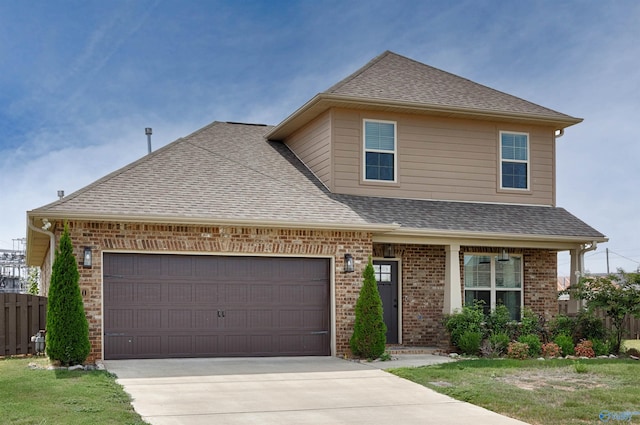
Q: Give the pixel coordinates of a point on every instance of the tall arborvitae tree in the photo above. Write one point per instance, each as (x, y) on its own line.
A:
(369, 331)
(67, 335)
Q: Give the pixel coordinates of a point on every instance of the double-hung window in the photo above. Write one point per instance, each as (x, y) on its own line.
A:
(494, 282)
(380, 151)
(514, 160)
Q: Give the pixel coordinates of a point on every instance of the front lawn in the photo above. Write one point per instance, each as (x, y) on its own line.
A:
(549, 392)
(40, 396)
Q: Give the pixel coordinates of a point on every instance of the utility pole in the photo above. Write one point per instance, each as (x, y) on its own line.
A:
(607, 260)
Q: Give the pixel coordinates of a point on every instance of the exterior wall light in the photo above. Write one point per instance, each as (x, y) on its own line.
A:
(348, 263)
(504, 256)
(87, 257)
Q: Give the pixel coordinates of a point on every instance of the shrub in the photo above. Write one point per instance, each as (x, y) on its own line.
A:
(518, 350)
(470, 319)
(531, 323)
(369, 331)
(588, 326)
(550, 349)
(498, 321)
(500, 341)
(470, 341)
(67, 337)
(580, 367)
(601, 347)
(565, 342)
(562, 325)
(533, 341)
(585, 349)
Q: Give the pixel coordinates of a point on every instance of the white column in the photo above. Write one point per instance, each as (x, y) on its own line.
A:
(452, 286)
(576, 266)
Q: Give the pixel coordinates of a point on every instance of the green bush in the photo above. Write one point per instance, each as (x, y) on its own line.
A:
(562, 325)
(369, 331)
(533, 341)
(601, 347)
(531, 323)
(67, 337)
(500, 341)
(470, 319)
(565, 342)
(588, 326)
(518, 350)
(469, 342)
(498, 321)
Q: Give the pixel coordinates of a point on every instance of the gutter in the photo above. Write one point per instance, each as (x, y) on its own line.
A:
(52, 241)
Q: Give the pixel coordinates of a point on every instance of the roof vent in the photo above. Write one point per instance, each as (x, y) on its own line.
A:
(148, 131)
(60, 194)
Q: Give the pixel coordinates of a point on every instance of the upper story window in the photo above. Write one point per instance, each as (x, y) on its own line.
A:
(380, 150)
(514, 160)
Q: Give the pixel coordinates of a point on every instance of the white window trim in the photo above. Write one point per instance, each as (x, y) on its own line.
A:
(528, 161)
(493, 289)
(365, 150)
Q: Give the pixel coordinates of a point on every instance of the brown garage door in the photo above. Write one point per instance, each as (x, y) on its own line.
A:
(160, 306)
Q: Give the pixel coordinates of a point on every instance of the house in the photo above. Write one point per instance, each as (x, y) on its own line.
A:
(239, 239)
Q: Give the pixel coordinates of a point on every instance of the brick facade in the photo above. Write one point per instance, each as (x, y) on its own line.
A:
(421, 268)
(159, 238)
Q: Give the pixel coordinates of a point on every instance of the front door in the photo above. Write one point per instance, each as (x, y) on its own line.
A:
(386, 273)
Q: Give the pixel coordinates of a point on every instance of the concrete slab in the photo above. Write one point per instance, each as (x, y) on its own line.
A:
(286, 390)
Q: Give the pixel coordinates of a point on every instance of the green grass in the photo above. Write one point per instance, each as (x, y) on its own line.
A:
(550, 392)
(42, 397)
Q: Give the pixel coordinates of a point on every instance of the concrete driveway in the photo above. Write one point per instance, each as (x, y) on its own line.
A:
(287, 390)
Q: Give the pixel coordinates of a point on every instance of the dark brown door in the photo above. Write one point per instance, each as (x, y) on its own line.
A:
(160, 306)
(386, 273)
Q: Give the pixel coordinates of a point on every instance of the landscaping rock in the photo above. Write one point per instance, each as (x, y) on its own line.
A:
(76, 367)
(454, 355)
(634, 357)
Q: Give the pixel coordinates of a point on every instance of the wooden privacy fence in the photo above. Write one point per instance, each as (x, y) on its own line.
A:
(631, 324)
(21, 317)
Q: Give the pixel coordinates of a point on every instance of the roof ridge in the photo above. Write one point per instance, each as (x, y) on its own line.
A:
(359, 71)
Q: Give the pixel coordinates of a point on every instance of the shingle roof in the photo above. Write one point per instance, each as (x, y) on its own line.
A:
(396, 78)
(223, 171)
(229, 172)
(470, 217)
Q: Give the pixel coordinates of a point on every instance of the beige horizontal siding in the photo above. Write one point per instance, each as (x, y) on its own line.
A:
(312, 144)
(442, 158)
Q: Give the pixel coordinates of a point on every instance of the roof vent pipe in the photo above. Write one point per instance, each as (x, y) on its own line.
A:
(148, 132)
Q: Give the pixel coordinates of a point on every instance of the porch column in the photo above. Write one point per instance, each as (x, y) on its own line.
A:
(452, 287)
(576, 266)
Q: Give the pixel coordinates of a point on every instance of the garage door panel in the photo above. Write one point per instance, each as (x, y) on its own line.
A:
(205, 306)
(148, 292)
(206, 293)
(179, 293)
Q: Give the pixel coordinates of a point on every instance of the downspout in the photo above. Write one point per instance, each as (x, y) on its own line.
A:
(52, 244)
(584, 249)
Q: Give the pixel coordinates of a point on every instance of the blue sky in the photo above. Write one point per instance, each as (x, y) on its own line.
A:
(81, 80)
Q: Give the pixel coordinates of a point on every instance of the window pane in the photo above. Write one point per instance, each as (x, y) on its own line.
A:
(477, 271)
(379, 136)
(514, 175)
(508, 273)
(514, 146)
(377, 168)
(470, 297)
(511, 299)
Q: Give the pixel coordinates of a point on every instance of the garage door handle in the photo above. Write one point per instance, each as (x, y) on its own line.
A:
(220, 313)
(319, 333)
(113, 334)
